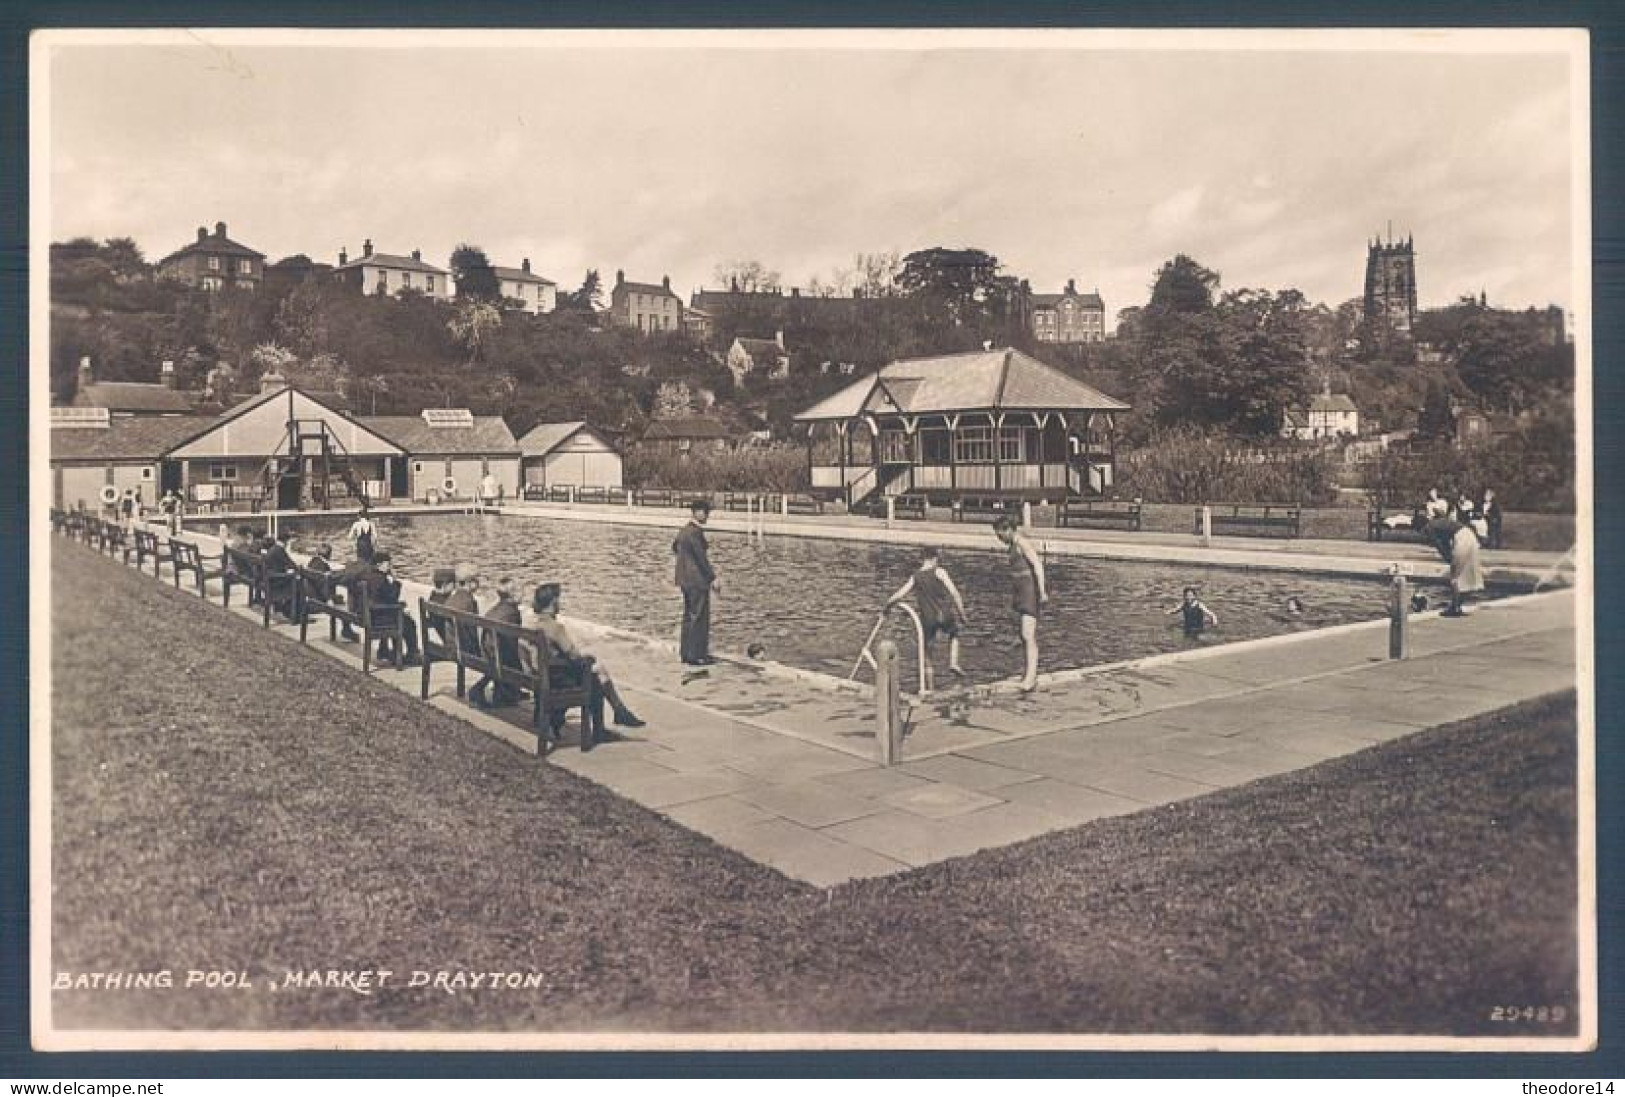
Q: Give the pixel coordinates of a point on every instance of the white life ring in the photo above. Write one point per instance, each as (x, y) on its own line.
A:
(109, 494)
(449, 486)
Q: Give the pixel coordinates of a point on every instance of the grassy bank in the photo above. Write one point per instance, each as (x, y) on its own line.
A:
(226, 799)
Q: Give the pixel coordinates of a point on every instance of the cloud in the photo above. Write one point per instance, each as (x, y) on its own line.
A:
(1175, 211)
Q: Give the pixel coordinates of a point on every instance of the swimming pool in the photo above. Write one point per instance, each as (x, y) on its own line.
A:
(811, 603)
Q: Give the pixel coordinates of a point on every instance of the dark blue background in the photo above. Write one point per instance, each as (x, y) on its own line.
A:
(17, 19)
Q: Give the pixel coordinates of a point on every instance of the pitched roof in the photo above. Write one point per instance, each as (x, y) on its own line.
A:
(983, 380)
(544, 438)
(489, 434)
(645, 287)
(135, 396)
(519, 274)
(393, 262)
(1050, 300)
(213, 244)
(127, 439)
(688, 426)
(1332, 402)
(760, 347)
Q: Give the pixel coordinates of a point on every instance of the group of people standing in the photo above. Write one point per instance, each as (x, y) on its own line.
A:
(1456, 530)
(940, 605)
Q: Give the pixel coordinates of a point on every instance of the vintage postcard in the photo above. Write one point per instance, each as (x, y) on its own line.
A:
(812, 539)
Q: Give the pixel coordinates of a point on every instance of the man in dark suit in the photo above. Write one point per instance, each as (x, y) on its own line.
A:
(696, 579)
(507, 650)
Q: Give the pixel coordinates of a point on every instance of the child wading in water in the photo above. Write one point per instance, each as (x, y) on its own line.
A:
(942, 610)
(1196, 616)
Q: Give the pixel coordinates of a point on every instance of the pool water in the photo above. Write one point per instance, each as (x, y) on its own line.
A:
(811, 603)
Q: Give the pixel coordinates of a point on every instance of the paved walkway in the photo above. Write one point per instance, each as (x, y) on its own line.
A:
(780, 766)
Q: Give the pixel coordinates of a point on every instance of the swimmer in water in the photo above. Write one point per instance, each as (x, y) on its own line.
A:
(1294, 606)
(1196, 616)
(756, 651)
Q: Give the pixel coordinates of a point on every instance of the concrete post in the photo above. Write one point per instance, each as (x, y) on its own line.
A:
(888, 705)
(1207, 526)
(572, 490)
(784, 504)
(1026, 514)
(1399, 619)
(891, 510)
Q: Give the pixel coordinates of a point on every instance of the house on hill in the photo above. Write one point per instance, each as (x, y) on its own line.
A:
(646, 307)
(377, 272)
(763, 357)
(534, 293)
(1328, 415)
(572, 454)
(1068, 317)
(684, 435)
(215, 262)
(991, 423)
(450, 451)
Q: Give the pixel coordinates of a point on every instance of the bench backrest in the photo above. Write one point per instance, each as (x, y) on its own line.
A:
(489, 639)
(188, 557)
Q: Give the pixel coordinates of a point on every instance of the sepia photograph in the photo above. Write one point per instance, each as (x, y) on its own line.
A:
(811, 539)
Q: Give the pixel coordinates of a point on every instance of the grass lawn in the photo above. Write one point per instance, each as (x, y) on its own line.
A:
(227, 800)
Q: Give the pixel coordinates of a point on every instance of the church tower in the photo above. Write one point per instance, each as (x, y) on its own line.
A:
(1390, 282)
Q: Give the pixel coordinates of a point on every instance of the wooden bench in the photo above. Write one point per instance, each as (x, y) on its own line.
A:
(1099, 514)
(591, 495)
(114, 542)
(534, 493)
(981, 508)
(495, 649)
(559, 493)
(903, 506)
(146, 544)
(1377, 526)
(189, 558)
(655, 497)
(323, 592)
(1253, 520)
(740, 500)
(803, 504)
(265, 587)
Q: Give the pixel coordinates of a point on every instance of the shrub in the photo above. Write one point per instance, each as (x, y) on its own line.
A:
(1184, 465)
(771, 468)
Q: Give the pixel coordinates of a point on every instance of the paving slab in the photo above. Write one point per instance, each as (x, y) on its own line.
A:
(939, 801)
(967, 772)
(1069, 802)
(809, 803)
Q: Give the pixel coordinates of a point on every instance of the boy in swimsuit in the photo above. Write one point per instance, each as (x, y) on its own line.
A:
(1196, 615)
(1028, 591)
(942, 610)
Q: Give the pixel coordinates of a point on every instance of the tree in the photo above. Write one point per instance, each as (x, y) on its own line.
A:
(1506, 361)
(955, 284)
(1436, 420)
(746, 276)
(475, 278)
(473, 326)
(123, 255)
(589, 298)
(1183, 287)
(672, 400)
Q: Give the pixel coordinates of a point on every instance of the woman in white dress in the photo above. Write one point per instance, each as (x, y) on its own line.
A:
(1466, 577)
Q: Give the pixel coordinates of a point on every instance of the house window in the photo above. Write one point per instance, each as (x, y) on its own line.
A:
(383, 279)
(684, 445)
(485, 466)
(973, 445)
(1010, 447)
(245, 266)
(146, 473)
(222, 472)
(428, 281)
(406, 280)
(417, 466)
(214, 262)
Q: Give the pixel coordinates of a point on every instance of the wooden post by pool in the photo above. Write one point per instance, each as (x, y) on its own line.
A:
(1399, 619)
(888, 705)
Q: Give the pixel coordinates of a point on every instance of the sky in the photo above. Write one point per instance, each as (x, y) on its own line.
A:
(670, 156)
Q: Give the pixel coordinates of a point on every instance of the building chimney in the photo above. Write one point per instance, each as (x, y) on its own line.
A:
(166, 373)
(1071, 286)
(220, 229)
(524, 264)
(620, 276)
(366, 248)
(86, 376)
(417, 253)
(202, 234)
(665, 281)
(344, 257)
(795, 291)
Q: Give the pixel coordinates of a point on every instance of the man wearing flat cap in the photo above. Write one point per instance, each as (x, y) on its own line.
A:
(696, 579)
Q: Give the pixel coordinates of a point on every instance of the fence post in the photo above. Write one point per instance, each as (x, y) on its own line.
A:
(888, 705)
(1399, 617)
(1207, 526)
(571, 489)
(784, 505)
(1026, 514)
(891, 511)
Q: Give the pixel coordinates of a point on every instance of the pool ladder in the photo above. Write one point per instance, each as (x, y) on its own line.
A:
(867, 654)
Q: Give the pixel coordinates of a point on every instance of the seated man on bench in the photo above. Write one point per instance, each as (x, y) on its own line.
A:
(546, 604)
(434, 637)
(506, 611)
(385, 594)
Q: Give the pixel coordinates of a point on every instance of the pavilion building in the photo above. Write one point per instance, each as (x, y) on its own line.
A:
(990, 423)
